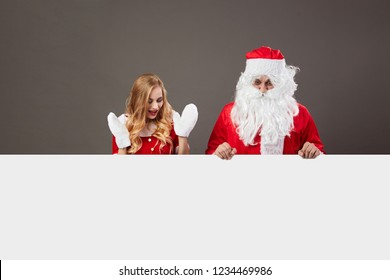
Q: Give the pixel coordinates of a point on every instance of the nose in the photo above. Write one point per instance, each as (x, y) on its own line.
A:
(262, 87)
(154, 105)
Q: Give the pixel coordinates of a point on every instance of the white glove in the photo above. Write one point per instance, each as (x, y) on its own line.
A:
(183, 125)
(119, 130)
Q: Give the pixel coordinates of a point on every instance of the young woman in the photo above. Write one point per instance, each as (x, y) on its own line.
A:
(149, 124)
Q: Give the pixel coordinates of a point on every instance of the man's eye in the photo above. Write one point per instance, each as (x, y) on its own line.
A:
(257, 82)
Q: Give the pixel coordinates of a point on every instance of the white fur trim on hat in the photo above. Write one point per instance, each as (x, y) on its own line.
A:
(261, 66)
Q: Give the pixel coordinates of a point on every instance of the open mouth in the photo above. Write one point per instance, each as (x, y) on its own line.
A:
(153, 113)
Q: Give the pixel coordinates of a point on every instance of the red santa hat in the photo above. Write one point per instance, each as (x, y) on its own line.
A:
(264, 61)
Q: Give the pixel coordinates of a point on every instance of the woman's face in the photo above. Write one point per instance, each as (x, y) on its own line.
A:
(155, 103)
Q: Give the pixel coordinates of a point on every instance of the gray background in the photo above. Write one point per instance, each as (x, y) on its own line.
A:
(64, 65)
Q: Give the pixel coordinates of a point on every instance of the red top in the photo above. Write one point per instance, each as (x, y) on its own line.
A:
(225, 131)
(151, 145)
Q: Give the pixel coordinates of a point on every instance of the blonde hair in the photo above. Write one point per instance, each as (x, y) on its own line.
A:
(136, 109)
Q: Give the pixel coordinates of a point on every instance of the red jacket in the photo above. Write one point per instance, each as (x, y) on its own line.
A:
(304, 130)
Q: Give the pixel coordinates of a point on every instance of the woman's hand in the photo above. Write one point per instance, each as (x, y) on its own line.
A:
(183, 125)
(119, 130)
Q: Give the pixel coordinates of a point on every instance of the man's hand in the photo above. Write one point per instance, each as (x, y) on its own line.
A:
(119, 130)
(309, 150)
(224, 151)
(183, 125)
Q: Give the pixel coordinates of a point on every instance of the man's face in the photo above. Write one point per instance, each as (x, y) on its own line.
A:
(263, 83)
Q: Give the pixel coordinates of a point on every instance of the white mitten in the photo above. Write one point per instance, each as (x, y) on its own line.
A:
(119, 130)
(183, 125)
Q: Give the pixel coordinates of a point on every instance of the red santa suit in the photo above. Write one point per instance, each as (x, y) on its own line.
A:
(304, 130)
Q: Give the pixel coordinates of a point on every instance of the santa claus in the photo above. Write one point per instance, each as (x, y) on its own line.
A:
(265, 118)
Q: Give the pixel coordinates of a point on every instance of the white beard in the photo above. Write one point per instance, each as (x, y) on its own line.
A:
(270, 114)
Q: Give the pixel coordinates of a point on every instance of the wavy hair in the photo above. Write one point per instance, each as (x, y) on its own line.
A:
(136, 108)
